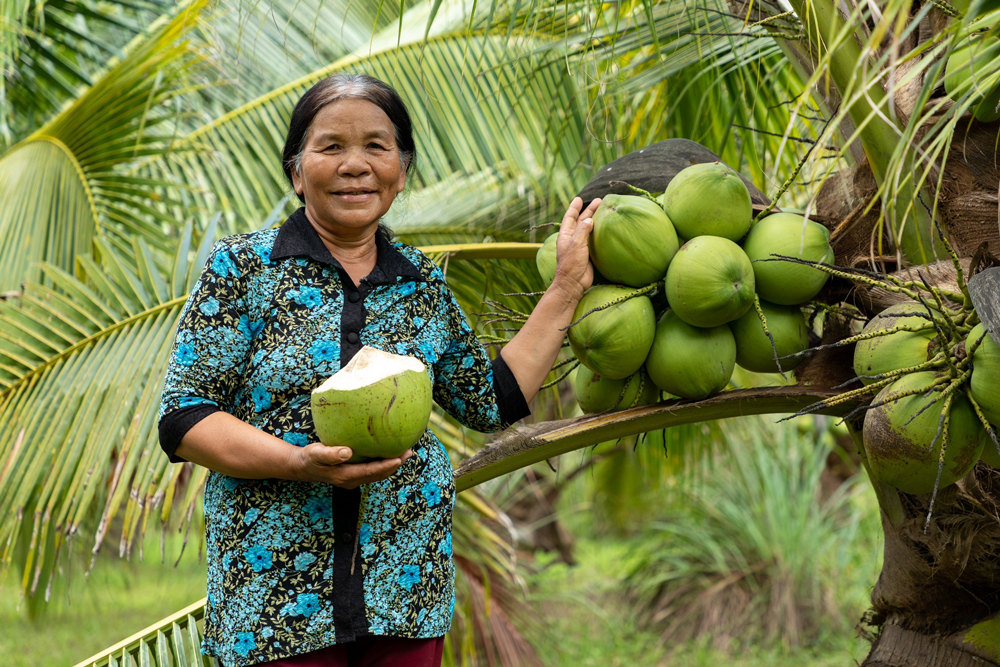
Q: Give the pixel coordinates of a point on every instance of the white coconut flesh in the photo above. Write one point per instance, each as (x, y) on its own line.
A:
(370, 366)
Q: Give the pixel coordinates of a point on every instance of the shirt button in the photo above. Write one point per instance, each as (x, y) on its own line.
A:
(346, 538)
(353, 297)
(352, 337)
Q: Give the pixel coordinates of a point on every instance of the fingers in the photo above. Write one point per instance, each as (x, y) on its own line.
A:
(568, 225)
(591, 209)
(329, 465)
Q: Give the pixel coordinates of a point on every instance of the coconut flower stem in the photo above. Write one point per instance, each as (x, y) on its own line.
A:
(934, 362)
(942, 432)
(638, 394)
(879, 280)
(648, 289)
(840, 398)
(561, 377)
(982, 419)
(639, 191)
(862, 336)
(959, 273)
(951, 388)
(892, 399)
(940, 303)
(763, 323)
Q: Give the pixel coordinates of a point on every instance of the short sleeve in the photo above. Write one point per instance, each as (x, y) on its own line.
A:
(210, 351)
(481, 394)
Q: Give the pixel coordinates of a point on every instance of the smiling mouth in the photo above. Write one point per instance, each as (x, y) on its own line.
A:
(355, 192)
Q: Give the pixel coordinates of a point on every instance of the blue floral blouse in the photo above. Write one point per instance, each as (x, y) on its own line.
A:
(294, 566)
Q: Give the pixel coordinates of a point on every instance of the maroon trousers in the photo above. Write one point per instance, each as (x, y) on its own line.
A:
(371, 652)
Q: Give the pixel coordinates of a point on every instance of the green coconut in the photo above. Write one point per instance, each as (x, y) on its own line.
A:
(690, 361)
(632, 241)
(788, 283)
(545, 259)
(990, 455)
(615, 341)
(378, 405)
(708, 199)
(985, 382)
(753, 348)
(710, 282)
(595, 393)
(898, 439)
(895, 351)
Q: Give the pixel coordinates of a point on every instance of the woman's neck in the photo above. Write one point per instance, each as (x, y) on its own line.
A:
(357, 253)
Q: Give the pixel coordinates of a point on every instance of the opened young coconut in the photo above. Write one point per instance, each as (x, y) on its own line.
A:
(378, 405)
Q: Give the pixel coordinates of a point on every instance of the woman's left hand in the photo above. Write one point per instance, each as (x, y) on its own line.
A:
(574, 272)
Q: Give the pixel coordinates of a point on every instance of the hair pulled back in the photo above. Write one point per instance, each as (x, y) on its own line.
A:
(340, 87)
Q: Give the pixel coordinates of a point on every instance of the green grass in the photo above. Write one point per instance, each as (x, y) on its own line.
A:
(582, 620)
(89, 614)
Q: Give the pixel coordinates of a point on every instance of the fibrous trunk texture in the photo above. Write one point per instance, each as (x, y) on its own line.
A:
(940, 582)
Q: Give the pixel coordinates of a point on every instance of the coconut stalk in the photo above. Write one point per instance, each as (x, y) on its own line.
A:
(876, 122)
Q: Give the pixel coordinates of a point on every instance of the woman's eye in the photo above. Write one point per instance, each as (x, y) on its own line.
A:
(378, 146)
(332, 147)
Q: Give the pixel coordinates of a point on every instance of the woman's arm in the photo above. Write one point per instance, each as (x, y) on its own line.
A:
(226, 444)
(531, 353)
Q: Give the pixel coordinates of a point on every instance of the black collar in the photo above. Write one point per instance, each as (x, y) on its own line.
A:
(297, 238)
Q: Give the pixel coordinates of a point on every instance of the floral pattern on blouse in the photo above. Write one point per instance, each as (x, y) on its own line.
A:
(293, 566)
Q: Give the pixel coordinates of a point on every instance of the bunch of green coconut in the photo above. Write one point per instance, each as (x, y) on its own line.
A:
(937, 374)
(689, 287)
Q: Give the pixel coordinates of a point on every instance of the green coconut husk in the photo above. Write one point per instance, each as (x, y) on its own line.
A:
(633, 241)
(688, 361)
(788, 234)
(709, 199)
(903, 349)
(612, 342)
(710, 282)
(786, 325)
(904, 439)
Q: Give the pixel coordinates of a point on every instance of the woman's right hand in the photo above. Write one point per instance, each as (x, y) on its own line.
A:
(319, 463)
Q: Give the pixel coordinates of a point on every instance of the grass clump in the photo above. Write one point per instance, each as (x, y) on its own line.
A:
(751, 556)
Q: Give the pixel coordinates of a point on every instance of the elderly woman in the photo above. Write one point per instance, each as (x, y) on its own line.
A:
(312, 560)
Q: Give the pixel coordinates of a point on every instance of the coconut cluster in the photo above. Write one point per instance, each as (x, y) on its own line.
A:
(937, 373)
(687, 287)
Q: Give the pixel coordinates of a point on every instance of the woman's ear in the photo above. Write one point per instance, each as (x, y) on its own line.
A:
(296, 180)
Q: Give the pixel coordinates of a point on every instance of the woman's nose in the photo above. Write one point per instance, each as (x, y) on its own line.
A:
(354, 162)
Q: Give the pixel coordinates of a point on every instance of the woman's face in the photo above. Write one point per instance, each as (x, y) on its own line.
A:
(350, 170)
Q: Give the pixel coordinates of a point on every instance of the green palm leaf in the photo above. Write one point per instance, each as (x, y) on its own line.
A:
(48, 50)
(468, 123)
(62, 186)
(80, 374)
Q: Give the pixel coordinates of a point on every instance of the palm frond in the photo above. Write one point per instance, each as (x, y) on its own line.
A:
(540, 442)
(468, 123)
(81, 369)
(62, 186)
(49, 50)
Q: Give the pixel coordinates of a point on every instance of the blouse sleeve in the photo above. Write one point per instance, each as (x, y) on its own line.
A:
(210, 349)
(481, 394)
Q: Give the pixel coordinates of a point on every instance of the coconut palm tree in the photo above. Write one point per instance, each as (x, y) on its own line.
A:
(835, 108)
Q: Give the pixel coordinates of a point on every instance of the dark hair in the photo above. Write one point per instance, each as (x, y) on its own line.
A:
(340, 87)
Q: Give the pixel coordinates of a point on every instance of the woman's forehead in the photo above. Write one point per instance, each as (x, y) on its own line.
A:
(351, 117)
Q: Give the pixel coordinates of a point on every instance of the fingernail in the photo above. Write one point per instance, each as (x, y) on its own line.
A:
(344, 454)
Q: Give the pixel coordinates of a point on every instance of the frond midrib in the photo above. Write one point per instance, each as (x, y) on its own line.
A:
(320, 73)
(69, 351)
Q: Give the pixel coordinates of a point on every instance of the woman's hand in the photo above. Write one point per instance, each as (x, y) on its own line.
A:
(319, 463)
(226, 444)
(574, 272)
(531, 353)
